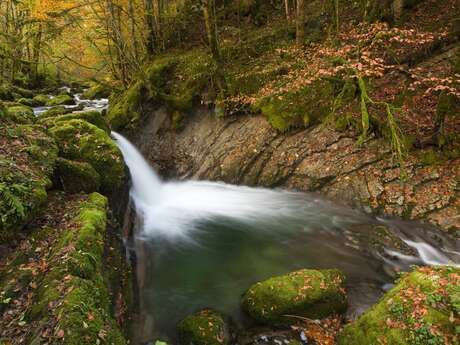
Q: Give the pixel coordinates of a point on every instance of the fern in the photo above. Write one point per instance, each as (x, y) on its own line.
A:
(14, 206)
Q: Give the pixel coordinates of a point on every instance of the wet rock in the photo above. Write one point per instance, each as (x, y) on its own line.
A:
(206, 327)
(421, 309)
(306, 293)
(272, 337)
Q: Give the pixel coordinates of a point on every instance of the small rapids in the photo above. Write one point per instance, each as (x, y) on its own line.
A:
(202, 244)
(80, 105)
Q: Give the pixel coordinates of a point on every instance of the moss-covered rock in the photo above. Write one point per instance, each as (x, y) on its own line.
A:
(125, 111)
(97, 91)
(21, 114)
(76, 177)
(308, 293)
(300, 108)
(93, 117)
(423, 308)
(173, 80)
(206, 327)
(30, 102)
(59, 110)
(82, 141)
(41, 99)
(6, 92)
(63, 99)
(73, 294)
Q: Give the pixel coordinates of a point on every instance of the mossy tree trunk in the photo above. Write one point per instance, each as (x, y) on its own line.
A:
(300, 22)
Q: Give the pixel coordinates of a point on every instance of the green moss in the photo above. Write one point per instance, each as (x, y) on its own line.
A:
(76, 177)
(173, 80)
(23, 187)
(301, 108)
(23, 93)
(6, 92)
(73, 292)
(21, 114)
(308, 293)
(93, 117)
(30, 102)
(407, 313)
(60, 110)
(87, 298)
(82, 141)
(64, 99)
(127, 111)
(41, 100)
(205, 327)
(97, 91)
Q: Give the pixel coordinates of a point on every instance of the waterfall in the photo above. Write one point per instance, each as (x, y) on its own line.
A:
(175, 210)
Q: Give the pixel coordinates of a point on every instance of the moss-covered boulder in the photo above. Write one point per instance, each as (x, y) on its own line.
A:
(21, 114)
(30, 102)
(97, 91)
(309, 293)
(206, 327)
(26, 166)
(82, 141)
(93, 117)
(423, 308)
(41, 99)
(63, 99)
(76, 177)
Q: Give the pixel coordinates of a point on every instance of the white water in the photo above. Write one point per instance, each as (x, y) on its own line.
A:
(174, 210)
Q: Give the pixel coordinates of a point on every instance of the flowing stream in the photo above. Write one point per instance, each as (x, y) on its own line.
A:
(80, 105)
(202, 244)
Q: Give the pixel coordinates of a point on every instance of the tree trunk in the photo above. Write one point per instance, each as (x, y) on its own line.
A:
(398, 9)
(211, 28)
(300, 22)
(150, 22)
(287, 9)
(209, 13)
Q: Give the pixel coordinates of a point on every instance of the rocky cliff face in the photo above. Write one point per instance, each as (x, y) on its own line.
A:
(247, 150)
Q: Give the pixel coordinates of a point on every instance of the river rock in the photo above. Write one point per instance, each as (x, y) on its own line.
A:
(206, 327)
(423, 308)
(306, 293)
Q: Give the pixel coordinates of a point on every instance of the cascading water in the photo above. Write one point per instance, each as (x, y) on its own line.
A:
(204, 243)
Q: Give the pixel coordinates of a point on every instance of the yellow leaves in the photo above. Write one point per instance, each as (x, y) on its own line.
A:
(43, 9)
